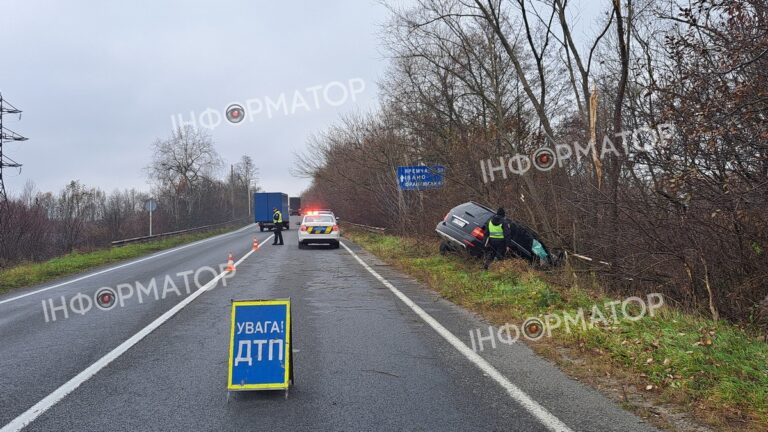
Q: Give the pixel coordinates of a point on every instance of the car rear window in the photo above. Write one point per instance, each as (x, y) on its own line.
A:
(472, 212)
(319, 218)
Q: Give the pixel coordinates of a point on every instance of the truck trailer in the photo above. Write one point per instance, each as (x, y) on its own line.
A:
(263, 203)
(295, 203)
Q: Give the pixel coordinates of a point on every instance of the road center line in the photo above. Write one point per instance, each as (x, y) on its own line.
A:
(545, 417)
(60, 393)
(107, 270)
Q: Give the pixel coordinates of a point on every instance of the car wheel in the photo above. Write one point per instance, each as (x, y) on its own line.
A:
(261, 228)
(301, 245)
(336, 245)
(475, 253)
(443, 248)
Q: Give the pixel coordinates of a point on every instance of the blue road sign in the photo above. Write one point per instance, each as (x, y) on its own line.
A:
(260, 345)
(420, 177)
(150, 205)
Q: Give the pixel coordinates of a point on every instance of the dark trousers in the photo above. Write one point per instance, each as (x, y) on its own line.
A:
(497, 248)
(278, 234)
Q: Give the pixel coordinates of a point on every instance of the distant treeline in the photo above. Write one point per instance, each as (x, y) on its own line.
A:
(188, 184)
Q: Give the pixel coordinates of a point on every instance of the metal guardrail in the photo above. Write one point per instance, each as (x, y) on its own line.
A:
(366, 227)
(172, 233)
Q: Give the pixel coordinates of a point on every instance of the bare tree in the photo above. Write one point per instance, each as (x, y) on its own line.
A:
(180, 167)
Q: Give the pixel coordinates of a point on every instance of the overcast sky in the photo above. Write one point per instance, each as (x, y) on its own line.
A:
(99, 81)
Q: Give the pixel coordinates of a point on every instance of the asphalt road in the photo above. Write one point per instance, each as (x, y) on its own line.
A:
(366, 357)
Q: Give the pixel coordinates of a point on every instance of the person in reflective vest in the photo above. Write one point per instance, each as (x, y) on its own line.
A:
(277, 219)
(497, 236)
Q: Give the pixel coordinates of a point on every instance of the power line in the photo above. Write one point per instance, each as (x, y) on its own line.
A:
(10, 136)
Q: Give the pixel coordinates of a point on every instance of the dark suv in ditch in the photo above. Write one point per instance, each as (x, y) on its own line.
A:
(462, 229)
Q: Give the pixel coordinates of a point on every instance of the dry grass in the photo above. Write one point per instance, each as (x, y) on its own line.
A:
(659, 367)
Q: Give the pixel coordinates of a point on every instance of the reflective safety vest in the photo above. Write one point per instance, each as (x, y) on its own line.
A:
(495, 231)
(277, 217)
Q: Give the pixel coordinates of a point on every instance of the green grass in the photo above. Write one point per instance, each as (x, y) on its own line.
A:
(693, 362)
(27, 274)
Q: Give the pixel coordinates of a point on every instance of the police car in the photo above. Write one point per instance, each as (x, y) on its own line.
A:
(319, 228)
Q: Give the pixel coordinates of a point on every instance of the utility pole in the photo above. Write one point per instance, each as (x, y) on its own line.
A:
(251, 189)
(249, 192)
(7, 135)
(232, 189)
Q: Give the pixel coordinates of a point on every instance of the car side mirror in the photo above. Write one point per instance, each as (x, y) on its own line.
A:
(337, 218)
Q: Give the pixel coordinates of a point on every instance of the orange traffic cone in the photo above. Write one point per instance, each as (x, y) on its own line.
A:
(230, 263)
(255, 244)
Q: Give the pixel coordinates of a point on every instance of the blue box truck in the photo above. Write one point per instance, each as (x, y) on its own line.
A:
(263, 203)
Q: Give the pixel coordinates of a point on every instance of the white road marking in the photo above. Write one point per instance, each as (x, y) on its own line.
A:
(545, 417)
(107, 270)
(60, 393)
